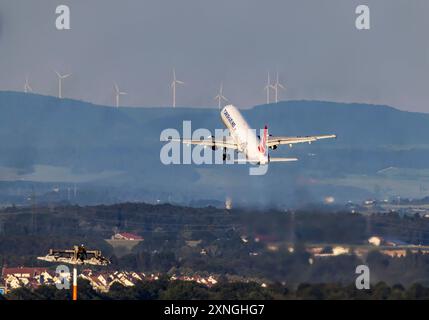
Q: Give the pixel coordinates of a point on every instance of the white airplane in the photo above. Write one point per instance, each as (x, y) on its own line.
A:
(243, 139)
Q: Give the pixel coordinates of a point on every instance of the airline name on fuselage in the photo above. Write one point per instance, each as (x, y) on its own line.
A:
(229, 118)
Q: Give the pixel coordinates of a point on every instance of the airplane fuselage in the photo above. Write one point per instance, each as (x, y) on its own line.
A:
(246, 139)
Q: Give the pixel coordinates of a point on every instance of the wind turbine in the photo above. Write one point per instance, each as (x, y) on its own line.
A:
(278, 85)
(60, 82)
(118, 93)
(173, 86)
(268, 87)
(220, 96)
(27, 87)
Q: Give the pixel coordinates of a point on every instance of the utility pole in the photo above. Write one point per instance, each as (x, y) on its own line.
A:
(74, 284)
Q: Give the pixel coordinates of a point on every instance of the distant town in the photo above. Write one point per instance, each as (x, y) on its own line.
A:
(34, 277)
(199, 241)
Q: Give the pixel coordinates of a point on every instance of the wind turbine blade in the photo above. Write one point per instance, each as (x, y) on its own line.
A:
(58, 74)
(179, 82)
(224, 98)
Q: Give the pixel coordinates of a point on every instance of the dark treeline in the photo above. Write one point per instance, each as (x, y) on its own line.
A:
(312, 225)
(168, 230)
(181, 290)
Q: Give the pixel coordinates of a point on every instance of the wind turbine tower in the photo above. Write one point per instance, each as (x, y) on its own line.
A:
(268, 87)
(60, 83)
(27, 87)
(118, 93)
(277, 85)
(173, 86)
(220, 97)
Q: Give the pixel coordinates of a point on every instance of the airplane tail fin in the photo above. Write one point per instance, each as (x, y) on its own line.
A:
(263, 143)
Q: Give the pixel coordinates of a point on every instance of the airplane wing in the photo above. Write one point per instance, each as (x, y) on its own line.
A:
(279, 140)
(228, 143)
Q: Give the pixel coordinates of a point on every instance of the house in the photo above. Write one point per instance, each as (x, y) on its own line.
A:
(207, 281)
(25, 277)
(126, 236)
(395, 243)
(375, 240)
(338, 250)
(395, 253)
(124, 242)
(328, 251)
(22, 272)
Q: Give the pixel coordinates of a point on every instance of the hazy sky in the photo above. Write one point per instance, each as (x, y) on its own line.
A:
(313, 44)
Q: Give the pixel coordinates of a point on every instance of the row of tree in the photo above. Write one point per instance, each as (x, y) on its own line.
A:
(164, 289)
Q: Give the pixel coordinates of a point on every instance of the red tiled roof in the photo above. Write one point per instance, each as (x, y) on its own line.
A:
(21, 270)
(130, 236)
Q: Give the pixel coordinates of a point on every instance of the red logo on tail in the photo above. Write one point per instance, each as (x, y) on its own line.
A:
(263, 143)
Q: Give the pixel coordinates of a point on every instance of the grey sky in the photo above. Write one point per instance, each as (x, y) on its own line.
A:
(313, 44)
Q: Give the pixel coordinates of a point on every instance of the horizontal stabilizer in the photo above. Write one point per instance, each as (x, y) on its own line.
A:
(283, 159)
(271, 160)
(245, 161)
